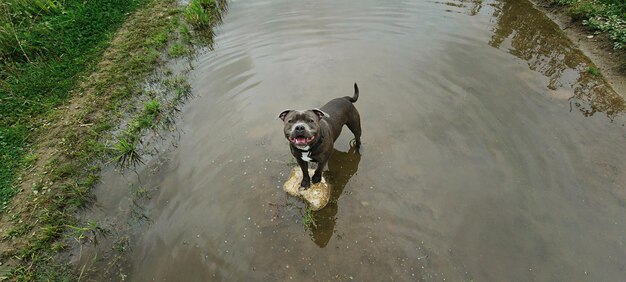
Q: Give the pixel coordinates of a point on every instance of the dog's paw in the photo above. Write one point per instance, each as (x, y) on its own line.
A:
(305, 184)
(316, 178)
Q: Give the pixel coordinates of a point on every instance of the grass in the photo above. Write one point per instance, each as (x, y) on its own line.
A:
(308, 220)
(45, 47)
(90, 232)
(198, 12)
(178, 50)
(198, 15)
(126, 151)
(602, 16)
(154, 114)
(67, 71)
(594, 71)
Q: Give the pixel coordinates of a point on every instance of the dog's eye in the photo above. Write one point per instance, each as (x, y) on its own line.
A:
(290, 121)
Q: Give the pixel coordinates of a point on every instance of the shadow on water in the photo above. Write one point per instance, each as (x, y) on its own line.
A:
(528, 34)
(341, 167)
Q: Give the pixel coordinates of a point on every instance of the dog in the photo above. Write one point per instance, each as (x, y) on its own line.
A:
(312, 133)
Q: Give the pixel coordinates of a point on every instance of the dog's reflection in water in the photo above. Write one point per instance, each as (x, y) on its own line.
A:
(341, 167)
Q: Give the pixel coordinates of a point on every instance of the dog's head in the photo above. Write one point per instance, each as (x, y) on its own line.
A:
(302, 127)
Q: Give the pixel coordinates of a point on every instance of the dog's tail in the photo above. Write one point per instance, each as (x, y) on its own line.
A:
(356, 94)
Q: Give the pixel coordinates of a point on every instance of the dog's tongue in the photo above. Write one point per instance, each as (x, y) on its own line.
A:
(300, 140)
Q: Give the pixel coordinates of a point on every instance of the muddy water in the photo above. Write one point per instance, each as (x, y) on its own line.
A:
(490, 153)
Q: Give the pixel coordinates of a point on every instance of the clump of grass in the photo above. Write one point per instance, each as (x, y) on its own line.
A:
(89, 232)
(180, 87)
(308, 220)
(178, 50)
(121, 245)
(141, 192)
(202, 15)
(152, 108)
(594, 71)
(126, 151)
(199, 13)
(154, 114)
(160, 39)
(185, 34)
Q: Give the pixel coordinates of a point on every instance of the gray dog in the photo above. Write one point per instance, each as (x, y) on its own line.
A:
(312, 133)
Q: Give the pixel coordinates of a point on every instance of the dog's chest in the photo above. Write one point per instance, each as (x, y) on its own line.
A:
(306, 156)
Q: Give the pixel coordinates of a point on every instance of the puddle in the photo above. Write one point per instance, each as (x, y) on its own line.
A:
(490, 153)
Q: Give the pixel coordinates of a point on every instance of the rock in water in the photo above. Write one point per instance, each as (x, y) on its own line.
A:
(316, 196)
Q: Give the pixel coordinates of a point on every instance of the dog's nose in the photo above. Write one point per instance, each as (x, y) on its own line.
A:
(300, 128)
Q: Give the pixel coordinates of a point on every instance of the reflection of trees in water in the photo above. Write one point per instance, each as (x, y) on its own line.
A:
(597, 97)
(341, 167)
(537, 40)
(473, 6)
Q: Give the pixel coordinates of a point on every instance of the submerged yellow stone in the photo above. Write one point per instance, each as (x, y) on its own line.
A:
(317, 196)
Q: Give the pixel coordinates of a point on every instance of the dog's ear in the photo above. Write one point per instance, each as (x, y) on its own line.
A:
(320, 113)
(283, 114)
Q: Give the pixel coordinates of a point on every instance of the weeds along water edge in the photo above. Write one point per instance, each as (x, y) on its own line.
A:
(102, 117)
(601, 17)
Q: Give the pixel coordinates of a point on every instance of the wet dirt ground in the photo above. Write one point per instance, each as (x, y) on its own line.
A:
(490, 153)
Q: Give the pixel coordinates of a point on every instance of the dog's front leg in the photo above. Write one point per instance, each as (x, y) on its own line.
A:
(306, 179)
(317, 176)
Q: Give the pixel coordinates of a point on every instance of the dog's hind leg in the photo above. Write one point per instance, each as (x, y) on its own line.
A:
(355, 126)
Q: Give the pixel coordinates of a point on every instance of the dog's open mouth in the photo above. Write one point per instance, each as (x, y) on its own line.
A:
(301, 140)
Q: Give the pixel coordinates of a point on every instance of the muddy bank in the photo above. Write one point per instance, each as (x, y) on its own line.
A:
(597, 47)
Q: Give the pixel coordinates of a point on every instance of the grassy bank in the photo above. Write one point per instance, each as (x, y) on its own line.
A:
(45, 47)
(601, 16)
(69, 73)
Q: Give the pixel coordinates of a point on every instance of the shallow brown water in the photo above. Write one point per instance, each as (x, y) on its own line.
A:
(490, 153)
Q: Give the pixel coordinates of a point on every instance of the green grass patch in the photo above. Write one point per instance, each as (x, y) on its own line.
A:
(152, 108)
(602, 16)
(12, 157)
(594, 71)
(126, 152)
(185, 34)
(198, 12)
(308, 220)
(159, 40)
(45, 48)
(178, 50)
